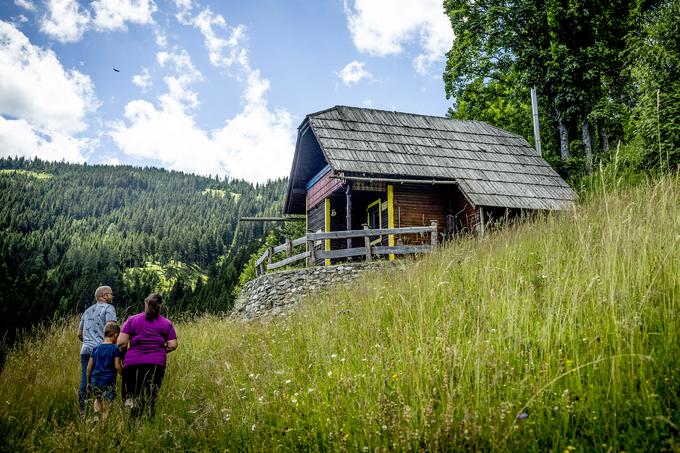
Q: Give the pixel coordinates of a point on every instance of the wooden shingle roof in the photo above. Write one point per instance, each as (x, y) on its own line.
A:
(492, 166)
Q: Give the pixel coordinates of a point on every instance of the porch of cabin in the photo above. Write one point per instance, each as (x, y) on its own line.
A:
(340, 204)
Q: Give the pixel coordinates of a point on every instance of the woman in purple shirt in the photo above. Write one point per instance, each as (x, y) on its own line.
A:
(147, 337)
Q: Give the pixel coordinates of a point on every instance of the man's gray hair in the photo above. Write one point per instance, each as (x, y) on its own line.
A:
(99, 293)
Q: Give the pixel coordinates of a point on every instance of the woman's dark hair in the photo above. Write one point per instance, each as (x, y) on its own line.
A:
(153, 306)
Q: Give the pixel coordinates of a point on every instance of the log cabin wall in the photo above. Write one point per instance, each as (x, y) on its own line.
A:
(418, 205)
(466, 215)
(338, 219)
(322, 189)
(316, 221)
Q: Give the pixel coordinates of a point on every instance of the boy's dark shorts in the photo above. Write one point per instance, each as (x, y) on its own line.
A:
(107, 392)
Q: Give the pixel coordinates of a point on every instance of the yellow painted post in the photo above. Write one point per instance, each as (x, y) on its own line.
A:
(327, 247)
(390, 216)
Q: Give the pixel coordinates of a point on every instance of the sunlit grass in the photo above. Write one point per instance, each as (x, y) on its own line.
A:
(29, 173)
(555, 334)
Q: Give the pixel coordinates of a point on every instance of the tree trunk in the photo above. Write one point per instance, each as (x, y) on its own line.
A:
(588, 144)
(564, 140)
(605, 139)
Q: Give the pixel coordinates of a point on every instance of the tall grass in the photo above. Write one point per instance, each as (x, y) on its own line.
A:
(555, 334)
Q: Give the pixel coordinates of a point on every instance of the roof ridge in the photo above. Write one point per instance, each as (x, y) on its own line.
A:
(341, 106)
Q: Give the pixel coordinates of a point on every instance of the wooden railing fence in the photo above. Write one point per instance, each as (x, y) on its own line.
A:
(266, 261)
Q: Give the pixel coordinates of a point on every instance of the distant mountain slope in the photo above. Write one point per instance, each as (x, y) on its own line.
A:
(66, 228)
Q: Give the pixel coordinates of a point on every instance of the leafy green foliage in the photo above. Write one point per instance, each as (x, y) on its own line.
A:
(276, 236)
(597, 66)
(655, 68)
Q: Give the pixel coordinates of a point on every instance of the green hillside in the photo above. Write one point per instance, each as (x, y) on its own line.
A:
(67, 228)
(558, 334)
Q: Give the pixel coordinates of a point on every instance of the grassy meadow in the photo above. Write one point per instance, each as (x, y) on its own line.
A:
(561, 333)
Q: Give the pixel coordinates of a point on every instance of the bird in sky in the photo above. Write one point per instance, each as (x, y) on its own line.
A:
(117, 70)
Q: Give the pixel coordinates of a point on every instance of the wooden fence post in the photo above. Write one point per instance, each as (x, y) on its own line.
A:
(367, 243)
(289, 248)
(311, 261)
(433, 234)
(270, 255)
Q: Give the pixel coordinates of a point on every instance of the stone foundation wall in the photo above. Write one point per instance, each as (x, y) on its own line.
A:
(276, 293)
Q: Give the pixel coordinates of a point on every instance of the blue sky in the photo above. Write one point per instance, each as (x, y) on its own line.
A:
(213, 88)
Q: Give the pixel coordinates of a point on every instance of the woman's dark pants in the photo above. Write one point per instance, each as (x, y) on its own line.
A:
(141, 383)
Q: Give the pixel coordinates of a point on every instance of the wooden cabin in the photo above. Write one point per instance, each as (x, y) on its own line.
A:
(355, 166)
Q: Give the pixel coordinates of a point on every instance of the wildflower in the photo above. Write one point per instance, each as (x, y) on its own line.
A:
(330, 373)
(293, 400)
(310, 390)
(288, 381)
(522, 416)
(333, 356)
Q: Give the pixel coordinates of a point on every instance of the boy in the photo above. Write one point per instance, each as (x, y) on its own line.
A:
(101, 370)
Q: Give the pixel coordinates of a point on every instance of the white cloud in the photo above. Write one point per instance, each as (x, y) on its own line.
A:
(184, 11)
(18, 138)
(256, 144)
(216, 44)
(353, 73)
(161, 38)
(45, 103)
(186, 74)
(25, 4)
(113, 14)
(384, 27)
(111, 160)
(143, 80)
(64, 21)
(34, 85)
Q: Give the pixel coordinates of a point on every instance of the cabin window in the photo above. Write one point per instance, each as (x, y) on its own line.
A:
(374, 219)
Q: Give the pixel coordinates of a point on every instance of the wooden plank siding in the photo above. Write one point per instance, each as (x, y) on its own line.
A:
(418, 205)
(466, 215)
(316, 222)
(322, 189)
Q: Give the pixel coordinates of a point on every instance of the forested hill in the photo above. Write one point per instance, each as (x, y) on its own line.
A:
(66, 228)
